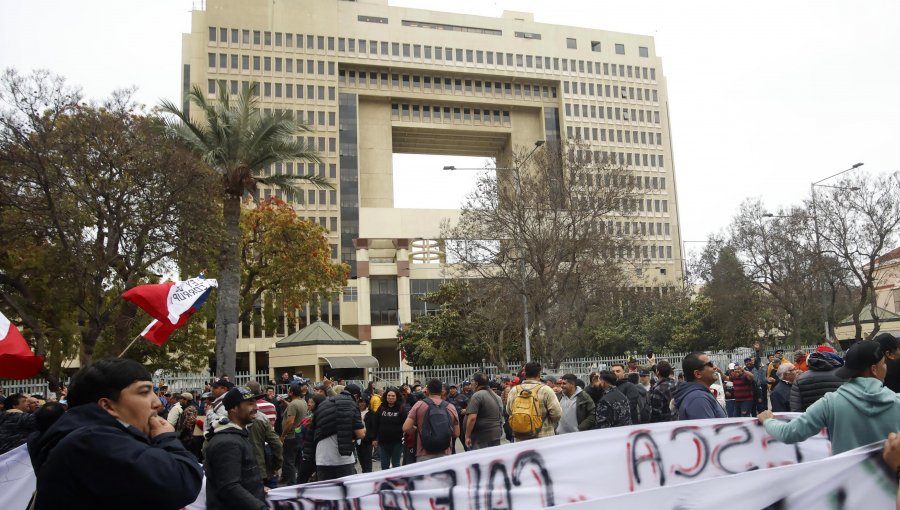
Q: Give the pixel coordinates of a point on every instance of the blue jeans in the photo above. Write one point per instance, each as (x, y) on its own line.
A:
(390, 454)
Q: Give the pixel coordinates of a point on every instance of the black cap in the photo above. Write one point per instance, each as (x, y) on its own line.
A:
(644, 373)
(887, 341)
(223, 383)
(237, 395)
(859, 357)
(353, 389)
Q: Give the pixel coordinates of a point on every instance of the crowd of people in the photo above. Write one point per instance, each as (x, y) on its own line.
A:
(115, 425)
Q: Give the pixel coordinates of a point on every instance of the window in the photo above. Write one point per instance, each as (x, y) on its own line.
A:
(571, 43)
(383, 301)
(527, 35)
(212, 34)
(419, 288)
(620, 49)
(595, 46)
(350, 295)
(643, 51)
(372, 19)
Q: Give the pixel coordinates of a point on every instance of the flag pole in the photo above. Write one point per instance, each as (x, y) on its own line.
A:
(129, 346)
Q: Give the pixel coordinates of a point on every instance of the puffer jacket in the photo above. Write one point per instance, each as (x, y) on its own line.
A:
(812, 385)
(338, 415)
(14, 429)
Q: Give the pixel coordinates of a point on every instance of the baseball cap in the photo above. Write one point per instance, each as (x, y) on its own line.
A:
(859, 357)
(748, 360)
(206, 395)
(187, 396)
(644, 373)
(827, 348)
(887, 341)
(237, 395)
(223, 383)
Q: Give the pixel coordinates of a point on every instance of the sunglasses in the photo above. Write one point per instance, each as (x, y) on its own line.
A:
(709, 364)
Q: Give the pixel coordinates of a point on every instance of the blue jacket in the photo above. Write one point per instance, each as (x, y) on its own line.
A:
(695, 402)
(860, 412)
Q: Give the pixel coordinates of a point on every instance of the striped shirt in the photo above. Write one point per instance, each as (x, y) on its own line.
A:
(268, 409)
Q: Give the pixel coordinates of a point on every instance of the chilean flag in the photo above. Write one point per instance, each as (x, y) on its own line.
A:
(170, 304)
(16, 359)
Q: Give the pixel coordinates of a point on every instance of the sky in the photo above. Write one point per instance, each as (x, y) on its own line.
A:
(765, 97)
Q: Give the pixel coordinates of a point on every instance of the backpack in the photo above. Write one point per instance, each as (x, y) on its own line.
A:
(437, 427)
(524, 417)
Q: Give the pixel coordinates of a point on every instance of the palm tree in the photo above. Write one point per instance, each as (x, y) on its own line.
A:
(238, 141)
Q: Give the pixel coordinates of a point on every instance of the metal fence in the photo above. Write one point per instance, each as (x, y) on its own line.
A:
(177, 381)
(450, 374)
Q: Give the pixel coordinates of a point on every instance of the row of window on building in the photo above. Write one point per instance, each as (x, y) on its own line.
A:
(269, 89)
(637, 182)
(613, 135)
(626, 159)
(446, 84)
(464, 114)
(611, 113)
(430, 54)
(590, 89)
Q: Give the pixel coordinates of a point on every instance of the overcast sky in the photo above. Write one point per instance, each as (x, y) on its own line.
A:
(765, 96)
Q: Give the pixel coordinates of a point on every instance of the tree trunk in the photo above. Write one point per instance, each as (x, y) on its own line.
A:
(227, 299)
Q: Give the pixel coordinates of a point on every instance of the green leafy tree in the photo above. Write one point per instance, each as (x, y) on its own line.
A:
(94, 199)
(477, 319)
(238, 141)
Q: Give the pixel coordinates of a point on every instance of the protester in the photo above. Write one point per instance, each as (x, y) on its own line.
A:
(296, 410)
(743, 391)
(860, 412)
(388, 425)
(365, 444)
(436, 424)
(337, 426)
(659, 398)
(306, 436)
(233, 478)
(800, 360)
(576, 407)
(613, 409)
(216, 411)
(890, 346)
(538, 405)
(637, 400)
(177, 408)
(781, 394)
(693, 399)
(484, 415)
(111, 449)
(821, 378)
(15, 423)
(266, 443)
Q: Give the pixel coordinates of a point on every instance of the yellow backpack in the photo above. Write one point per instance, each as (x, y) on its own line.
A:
(524, 415)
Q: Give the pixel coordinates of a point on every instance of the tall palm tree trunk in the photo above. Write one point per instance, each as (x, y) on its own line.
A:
(229, 287)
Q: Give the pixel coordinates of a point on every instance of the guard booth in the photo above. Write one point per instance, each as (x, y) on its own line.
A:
(319, 350)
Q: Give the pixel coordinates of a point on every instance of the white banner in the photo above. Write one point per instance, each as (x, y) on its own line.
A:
(561, 470)
(730, 463)
(17, 482)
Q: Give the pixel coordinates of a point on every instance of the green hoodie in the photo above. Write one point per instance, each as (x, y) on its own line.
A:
(862, 411)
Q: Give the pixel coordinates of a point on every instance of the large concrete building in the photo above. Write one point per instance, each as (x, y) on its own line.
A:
(373, 80)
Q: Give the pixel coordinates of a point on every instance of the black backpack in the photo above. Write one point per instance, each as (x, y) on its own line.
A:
(437, 427)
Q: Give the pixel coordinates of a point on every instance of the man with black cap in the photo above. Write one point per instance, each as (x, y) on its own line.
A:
(860, 412)
(890, 346)
(337, 427)
(216, 411)
(233, 479)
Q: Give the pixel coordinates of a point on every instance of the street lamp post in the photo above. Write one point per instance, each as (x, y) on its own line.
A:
(516, 169)
(815, 215)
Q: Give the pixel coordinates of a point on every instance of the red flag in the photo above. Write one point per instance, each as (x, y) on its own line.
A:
(16, 359)
(170, 304)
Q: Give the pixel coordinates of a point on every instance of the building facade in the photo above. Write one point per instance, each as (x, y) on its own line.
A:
(372, 80)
